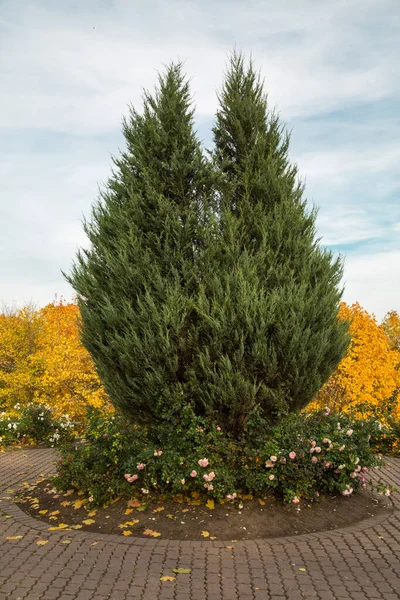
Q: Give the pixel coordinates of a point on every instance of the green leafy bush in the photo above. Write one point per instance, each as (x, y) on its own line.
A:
(34, 423)
(304, 456)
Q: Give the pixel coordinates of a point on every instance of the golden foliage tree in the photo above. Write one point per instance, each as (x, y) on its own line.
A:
(42, 360)
(367, 377)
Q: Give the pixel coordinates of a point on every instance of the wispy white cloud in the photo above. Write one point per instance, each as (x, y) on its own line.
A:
(68, 71)
(372, 278)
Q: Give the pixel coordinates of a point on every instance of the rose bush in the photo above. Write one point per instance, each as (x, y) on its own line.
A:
(304, 456)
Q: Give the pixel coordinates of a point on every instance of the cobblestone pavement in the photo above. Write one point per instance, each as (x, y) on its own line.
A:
(361, 562)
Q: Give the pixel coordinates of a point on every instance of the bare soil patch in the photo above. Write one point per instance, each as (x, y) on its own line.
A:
(251, 519)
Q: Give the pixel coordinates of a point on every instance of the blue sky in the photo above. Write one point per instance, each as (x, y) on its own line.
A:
(69, 69)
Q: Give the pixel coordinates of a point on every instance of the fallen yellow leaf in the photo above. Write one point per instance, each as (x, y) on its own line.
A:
(14, 537)
(43, 512)
(94, 543)
(128, 523)
(160, 509)
(213, 537)
(169, 516)
(195, 495)
(66, 542)
(78, 504)
(54, 513)
(302, 569)
(205, 534)
(42, 542)
(92, 513)
(127, 532)
(210, 504)
(262, 502)
(151, 533)
(88, 521)
(167, 578)
(182, 571)
(134, 503)
(65, 503)
(128, 511)
(76, 526)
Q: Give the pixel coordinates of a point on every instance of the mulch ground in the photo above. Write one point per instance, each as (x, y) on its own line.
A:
(247, 519)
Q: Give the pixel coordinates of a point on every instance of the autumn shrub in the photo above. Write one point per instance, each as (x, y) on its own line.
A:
(304, 456)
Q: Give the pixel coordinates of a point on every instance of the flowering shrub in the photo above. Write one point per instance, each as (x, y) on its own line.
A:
(34, 423)
(304, 456)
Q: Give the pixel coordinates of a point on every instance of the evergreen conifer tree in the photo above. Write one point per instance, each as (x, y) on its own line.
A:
(137, 281)
(204, 283)
(270, 335)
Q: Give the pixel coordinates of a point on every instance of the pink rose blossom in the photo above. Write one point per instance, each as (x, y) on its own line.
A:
(313, 443)
(387, 493)
(349, 432)
(327, 464)
(327, 411)
(127, 476)
(144, 491)
(283, 460)
(231, 496)
(183, 481)
(312, 450)
(296, 500)
(90, 498)
(317, 494)
(317, 449)
(203, 462)
(364, 469)
(271, 477)
(342, 448)
(210, 487)
(338, 427)
(326, 441)
(218, 428)
(269, 464)
(273, 458)
(140, 466)
(364, 485)
(292, 455)
(209, 477)
(314, 460)
(330, 446)
(193, 474)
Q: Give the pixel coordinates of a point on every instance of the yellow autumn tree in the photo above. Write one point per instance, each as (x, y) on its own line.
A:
(66, 378)
(367, 376)
(42, 360)
(18, 338)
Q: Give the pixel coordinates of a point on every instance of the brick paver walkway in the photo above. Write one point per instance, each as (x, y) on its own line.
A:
(361, 562)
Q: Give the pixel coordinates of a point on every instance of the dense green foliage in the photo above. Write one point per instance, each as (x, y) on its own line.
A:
(204, 284)
(303, 456)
